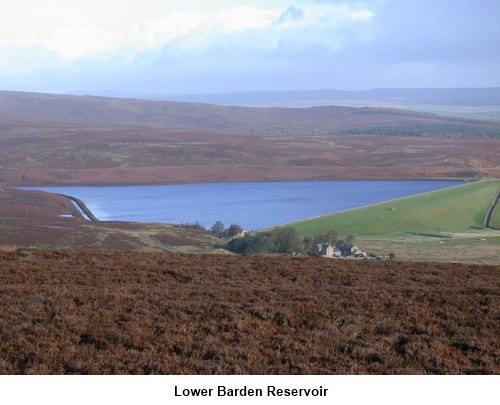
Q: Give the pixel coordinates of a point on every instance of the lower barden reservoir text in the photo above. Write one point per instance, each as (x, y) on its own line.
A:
(269, 391)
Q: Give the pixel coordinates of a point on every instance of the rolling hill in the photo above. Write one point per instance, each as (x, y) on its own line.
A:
(90, 110)
(57, 139)
(458, 97)
(456, 102)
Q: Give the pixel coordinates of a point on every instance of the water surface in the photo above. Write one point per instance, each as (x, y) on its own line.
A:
(252, 205)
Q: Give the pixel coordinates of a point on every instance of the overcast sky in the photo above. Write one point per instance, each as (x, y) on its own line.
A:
(194, 46)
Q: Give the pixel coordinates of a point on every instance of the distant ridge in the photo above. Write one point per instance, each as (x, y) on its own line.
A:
(96, 110)
(460, 97)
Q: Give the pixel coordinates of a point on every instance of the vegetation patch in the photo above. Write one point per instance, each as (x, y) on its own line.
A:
(70, 312)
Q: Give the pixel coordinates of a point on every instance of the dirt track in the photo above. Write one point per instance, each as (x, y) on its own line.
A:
(494, 205)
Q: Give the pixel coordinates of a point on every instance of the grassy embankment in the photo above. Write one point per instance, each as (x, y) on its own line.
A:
(495, 218)
(442, 225)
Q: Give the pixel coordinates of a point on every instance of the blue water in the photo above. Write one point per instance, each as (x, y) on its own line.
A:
(251, 205)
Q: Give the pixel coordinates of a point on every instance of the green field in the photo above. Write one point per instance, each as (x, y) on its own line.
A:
(495, 219)
(444, 225)
(457, 209)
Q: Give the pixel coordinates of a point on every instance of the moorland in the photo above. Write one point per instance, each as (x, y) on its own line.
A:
(48, 139)
(94, 297)
(42, 220)
(69, 312)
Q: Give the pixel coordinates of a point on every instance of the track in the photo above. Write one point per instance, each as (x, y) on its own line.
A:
(491, 211)
(82, 207)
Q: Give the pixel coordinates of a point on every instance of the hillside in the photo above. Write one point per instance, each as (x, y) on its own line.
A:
(39, 107)
(478, 103)
(69, 312)
(495, 219)
(36, 219)
(456, 209)
(53, 139)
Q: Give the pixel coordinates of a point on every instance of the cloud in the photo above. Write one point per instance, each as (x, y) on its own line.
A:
(88, 41)
(74, 38)
(161, 30)
(290, 15)
(228, 45)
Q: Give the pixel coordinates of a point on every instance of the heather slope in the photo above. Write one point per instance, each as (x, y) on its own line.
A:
(67, 312)
(67, 140)
(36, 219)
(103, 111)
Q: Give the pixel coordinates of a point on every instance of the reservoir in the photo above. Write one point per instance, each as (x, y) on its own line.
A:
(253, 205)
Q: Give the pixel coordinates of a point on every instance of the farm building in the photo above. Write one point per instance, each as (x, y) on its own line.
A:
(325, 249)
(348, 249)
(341, 250)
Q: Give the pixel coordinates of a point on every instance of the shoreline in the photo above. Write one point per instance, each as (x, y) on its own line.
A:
(86, 212)
(457, 179)
(80, 205)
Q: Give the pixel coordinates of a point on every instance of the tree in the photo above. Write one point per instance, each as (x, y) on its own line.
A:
(234, 230)
(279, 240)
(308, 243)
(288, 240)
(218, 229)
(350, 239)
(240, 245)
(330, 237)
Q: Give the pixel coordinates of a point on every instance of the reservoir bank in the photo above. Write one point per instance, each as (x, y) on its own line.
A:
(253, 205)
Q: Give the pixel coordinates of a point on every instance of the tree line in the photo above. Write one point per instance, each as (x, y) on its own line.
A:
(217, 229)
(427, 130)
(282, 240)
(277, 240)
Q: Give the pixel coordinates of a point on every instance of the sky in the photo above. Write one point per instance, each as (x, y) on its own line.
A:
(221, 46)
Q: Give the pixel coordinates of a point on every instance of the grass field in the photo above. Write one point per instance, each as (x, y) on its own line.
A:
(495, 219)
(445, 225)
(457, 209)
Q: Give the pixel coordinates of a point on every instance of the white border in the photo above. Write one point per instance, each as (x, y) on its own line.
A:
(124, 390)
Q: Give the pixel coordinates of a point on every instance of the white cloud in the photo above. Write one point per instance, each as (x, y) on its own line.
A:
(334, 16)
(72, 44)
(158, 31)
(231, 44)
(22, 42)
(94, 30)
(244, 18)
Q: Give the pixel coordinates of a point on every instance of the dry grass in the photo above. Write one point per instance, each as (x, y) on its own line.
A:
(137, 313)
(8, 248)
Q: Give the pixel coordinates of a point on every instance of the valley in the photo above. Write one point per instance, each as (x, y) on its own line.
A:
(49, 139)
(112, 297)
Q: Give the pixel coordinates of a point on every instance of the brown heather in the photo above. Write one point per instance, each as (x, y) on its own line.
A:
(60, 139)
(69, 312)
